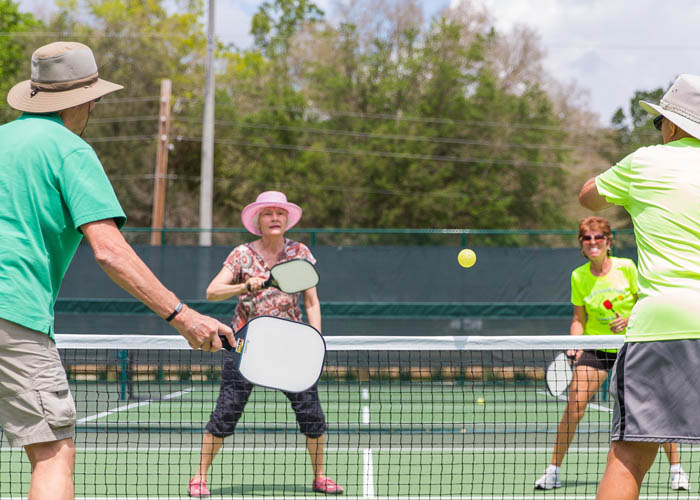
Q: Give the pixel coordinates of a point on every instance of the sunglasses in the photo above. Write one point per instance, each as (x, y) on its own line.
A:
(657, 122)
(596, 237)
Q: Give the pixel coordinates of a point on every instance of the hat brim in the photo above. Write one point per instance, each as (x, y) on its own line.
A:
(20, 96)
(250, 214)
(691, 127)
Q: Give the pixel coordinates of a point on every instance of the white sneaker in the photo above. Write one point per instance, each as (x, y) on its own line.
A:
(680, 481)
(548, 481)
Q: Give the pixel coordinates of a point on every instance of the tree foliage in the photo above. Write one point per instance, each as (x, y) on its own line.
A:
(137, 44)
(14, 48)
(411, 129)
(390, 123)
(634, 128)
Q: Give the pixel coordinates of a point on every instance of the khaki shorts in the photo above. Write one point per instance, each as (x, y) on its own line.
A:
(36, 405)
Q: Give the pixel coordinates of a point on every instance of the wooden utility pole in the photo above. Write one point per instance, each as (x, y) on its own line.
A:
(161, 162)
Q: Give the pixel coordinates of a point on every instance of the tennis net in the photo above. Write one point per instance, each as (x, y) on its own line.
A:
(408, 417)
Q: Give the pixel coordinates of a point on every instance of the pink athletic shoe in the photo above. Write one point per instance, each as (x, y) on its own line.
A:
(198, 488)
(326, 485)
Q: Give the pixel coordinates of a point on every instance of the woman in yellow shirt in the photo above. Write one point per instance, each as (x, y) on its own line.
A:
(603, 292)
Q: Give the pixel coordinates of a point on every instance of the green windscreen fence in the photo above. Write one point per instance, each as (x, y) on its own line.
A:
(364, 290)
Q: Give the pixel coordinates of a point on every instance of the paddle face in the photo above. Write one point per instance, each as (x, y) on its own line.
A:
(559, 374)
(293, 276)
(279, 353)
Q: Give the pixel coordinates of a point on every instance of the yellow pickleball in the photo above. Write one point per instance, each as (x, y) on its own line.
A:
(466, 258)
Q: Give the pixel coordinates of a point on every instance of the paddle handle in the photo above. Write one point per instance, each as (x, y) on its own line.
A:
(269, 282)
(225, 343)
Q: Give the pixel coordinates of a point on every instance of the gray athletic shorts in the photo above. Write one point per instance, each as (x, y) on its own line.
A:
(656, 387)
(36, 405)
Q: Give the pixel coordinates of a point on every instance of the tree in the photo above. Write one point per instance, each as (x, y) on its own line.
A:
(634, 129)
(14, 49)
(277, 21)
(375, 130)
(137, 44)
(393, 123)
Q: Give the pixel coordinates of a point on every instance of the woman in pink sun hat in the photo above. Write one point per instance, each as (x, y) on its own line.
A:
(269, 199)
(243, 273)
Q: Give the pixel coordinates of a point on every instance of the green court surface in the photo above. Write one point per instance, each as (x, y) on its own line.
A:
(386, 440)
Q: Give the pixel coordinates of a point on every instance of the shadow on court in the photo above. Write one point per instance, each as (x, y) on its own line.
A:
(267, 489)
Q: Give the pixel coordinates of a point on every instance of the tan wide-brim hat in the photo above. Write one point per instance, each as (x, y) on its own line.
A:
(64, 75)
(681, 104)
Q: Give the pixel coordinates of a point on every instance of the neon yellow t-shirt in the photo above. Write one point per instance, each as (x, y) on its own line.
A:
(660, 188)
(618, 287)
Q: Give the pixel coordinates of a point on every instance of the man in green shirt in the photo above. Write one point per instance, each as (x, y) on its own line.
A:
(54, 191)
(654, 381)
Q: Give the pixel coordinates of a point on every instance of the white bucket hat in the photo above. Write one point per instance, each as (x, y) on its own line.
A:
(64, 74)
(681, 104)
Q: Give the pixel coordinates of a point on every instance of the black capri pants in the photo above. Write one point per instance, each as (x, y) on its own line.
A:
(600, 360)
(233, 396)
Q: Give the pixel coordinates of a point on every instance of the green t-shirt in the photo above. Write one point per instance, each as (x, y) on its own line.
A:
(660, 188)
(51, 183)
(618, 287)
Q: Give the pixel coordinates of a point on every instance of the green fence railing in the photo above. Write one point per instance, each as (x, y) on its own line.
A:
(384, 310)
(316, 236)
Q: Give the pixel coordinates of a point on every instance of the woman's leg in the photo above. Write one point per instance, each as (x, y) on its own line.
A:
(210, 447)
(585, 383)
(312, 423)
(233, 397)
(671, 450)
(314, 445)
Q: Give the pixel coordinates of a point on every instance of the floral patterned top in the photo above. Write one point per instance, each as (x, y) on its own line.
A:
(244, 262)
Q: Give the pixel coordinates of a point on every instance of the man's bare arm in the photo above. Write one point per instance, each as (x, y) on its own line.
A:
(589, 197)
(121, 263)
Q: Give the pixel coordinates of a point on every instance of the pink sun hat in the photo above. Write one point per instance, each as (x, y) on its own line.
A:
(249, 215)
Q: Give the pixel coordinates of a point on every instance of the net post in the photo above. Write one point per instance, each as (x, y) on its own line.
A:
(122, 355)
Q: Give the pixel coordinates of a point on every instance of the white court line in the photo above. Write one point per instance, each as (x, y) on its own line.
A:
(365, 414)
(368, 475)
(133, 405)
(368, 462)
(365, 408)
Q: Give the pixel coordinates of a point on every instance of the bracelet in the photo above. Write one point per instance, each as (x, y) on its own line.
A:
(178, 308)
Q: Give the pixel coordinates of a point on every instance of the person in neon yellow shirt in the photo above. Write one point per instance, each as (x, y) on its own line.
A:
(655, 378)
(603, 292)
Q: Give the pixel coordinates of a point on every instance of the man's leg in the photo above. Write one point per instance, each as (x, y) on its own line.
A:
(628, 463)
(52, 470)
